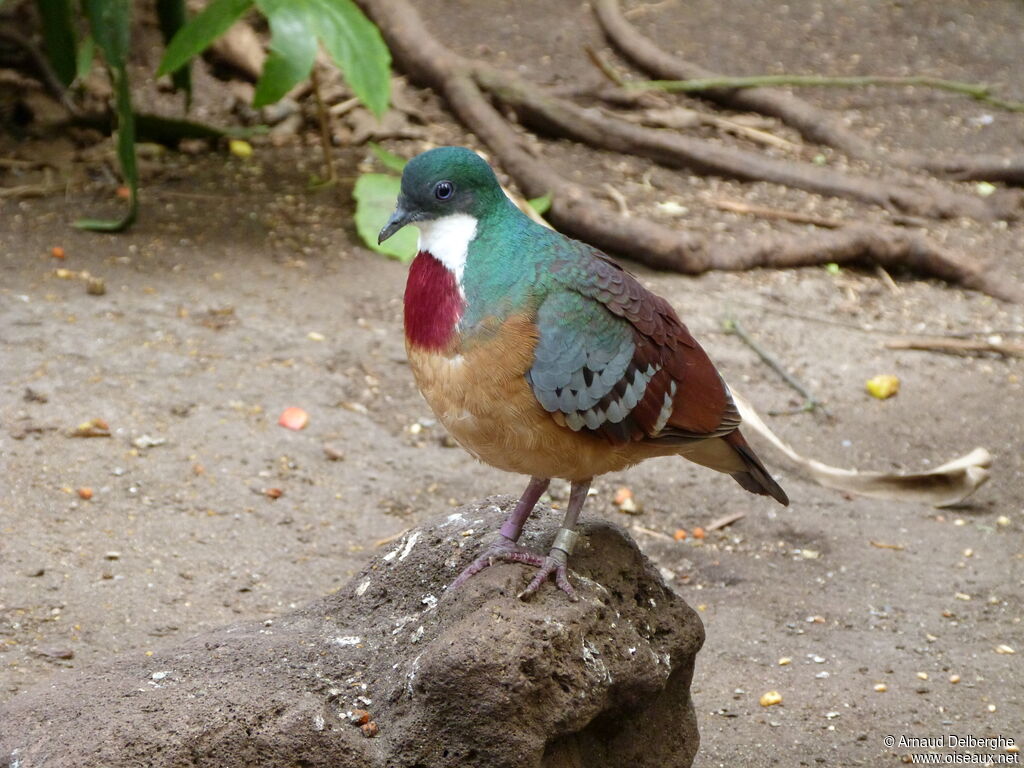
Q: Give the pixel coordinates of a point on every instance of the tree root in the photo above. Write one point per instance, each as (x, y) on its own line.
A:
(577, 213)
(814, 124)
(541, 110)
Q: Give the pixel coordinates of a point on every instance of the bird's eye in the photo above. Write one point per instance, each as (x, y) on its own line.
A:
(444, 190)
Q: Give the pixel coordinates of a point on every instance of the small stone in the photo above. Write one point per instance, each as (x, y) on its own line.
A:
(1004, 649)
(881, 687)
(1002, 521)
(954, 679)
(785, 660)
(95, 286)
(629, 507)
(922, 675)
(770, 698)
(112, 555)
(333, 452)
(359, 717)
(369, 729)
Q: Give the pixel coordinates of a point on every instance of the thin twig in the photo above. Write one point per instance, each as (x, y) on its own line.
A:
(725, 520)
(46, 74)
(887, 279)
(325, 128)
(978, 91)
(815, 124)
(737, 206)
(604, 66)
(811, 403)
(957, 346)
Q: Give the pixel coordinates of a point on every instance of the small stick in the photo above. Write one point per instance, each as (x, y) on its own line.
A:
(650, 532)
(737, 206)
(388, 539)
(979, 91)
(887, 279)
(955, 346)
(617, 197)
(745, 131)
(325, 128)
(605, 67)
(883, 545)
(724, 521)
(811, 403)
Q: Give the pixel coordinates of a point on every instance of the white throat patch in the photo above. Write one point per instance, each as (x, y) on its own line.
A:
(447, 240)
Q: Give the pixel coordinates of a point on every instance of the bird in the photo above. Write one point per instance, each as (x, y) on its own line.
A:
(542, 356)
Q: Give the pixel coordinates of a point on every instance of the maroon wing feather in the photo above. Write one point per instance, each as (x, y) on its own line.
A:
(686, 397)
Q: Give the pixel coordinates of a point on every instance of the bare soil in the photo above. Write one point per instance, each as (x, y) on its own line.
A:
(241, 292)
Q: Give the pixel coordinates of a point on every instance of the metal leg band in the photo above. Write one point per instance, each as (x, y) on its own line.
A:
(565, 540)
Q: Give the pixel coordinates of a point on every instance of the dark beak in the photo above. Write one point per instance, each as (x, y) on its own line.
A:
(399, 218)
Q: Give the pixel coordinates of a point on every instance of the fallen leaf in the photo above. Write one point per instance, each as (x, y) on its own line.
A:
(883, 545)
(947, 484)
(293, 418)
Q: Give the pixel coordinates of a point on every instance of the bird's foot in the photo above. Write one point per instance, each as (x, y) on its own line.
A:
(555, 564)
(502, 550)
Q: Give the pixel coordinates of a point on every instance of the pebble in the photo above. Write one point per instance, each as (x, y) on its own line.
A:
(881, 687)
(770, 698)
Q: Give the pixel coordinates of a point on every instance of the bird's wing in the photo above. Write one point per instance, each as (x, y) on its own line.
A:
(614, 358)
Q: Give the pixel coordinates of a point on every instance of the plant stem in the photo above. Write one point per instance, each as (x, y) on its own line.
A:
(979, 91)
(325, 128)
(811, 403)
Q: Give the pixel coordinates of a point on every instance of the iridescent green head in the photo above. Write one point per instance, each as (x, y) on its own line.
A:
(442, 182)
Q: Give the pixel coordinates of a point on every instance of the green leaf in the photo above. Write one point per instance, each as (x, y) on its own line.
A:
(172, 17)
(58, 19)
(375, 195)
(356, 46)
(353, 43)
(389, 160)
(292, 50)
(84, 56)
(541, 204)
(196, 36)
(110, 21)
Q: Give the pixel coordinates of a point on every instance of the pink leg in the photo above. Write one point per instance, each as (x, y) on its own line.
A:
(505, 548)
(556, 563)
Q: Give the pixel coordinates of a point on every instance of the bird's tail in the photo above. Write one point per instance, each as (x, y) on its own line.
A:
(754, 477)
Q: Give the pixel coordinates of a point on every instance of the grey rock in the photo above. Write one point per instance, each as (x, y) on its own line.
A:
(394, 672)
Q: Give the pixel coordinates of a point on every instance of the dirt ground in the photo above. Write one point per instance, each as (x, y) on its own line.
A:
(240, 292)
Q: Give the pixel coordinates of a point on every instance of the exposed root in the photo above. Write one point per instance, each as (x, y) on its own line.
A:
(814, 124)
(547, 113)
(576, 212)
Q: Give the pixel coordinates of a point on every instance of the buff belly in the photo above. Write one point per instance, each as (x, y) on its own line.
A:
(484, 400)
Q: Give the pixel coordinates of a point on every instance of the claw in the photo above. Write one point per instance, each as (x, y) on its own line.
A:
(502, 550)
(555, 564)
